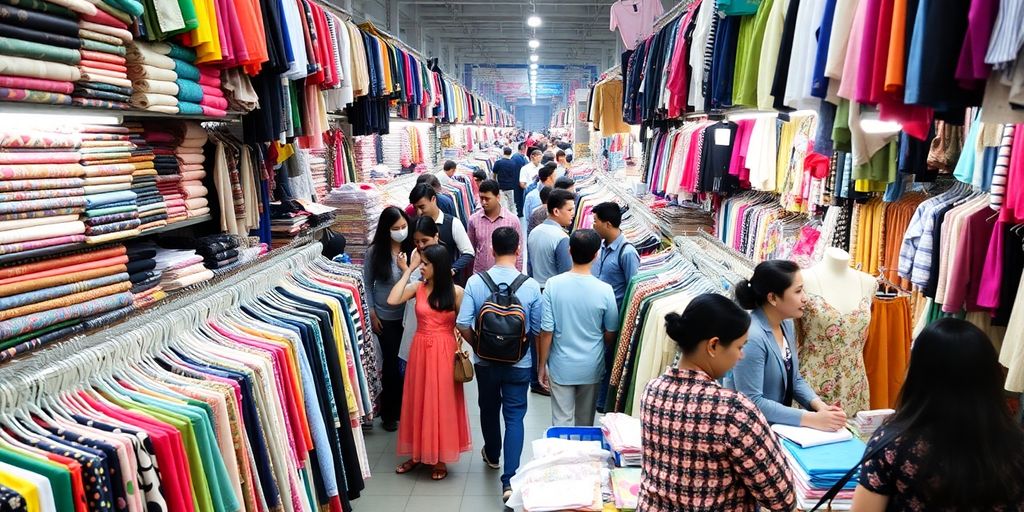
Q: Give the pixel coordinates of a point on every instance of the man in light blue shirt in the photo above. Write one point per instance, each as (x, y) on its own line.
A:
(548, 245)
(503, 388)
(616, 265)
(545, 178)
(579, 322)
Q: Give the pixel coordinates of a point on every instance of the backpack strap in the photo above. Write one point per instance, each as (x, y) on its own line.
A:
(883, 443)
(514, 287)
(622, 250)
(489, 282)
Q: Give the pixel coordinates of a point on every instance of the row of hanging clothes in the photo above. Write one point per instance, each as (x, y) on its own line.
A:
(640, 227)
(247, 398)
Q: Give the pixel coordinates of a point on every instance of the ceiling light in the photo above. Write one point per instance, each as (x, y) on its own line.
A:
(534, 58)
(533, 21)
(534, 43)
(534, 66)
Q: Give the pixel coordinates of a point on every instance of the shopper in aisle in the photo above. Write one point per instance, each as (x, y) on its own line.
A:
(769, 373)
(491, 216)
(519, 160)
(507, 174)
(380, 273)
(445, 203)
(539, 213)
(616, 265)
(452, 234)
(423, 233)
(562, 163)
(548, 245)
(479, 176)
(434, 426)
(579, 323)
(503, 387)
(528, 173)
(953, 443)
(449, 168)
(693, 426)
(545, 177)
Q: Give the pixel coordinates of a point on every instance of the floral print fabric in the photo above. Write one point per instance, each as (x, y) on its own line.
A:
(832, 353)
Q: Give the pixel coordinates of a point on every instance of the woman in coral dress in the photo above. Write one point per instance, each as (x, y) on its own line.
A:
(434, 427)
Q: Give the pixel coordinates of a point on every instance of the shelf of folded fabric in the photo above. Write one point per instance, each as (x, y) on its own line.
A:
(48, 252)
(64, 110)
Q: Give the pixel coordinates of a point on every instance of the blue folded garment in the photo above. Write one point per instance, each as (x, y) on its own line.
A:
(107, 199)
(186, 70)
(826, 464)
(186, 107)
(189, 90)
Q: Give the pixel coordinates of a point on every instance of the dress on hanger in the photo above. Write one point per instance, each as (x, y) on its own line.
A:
(434, 426)
(832, 352)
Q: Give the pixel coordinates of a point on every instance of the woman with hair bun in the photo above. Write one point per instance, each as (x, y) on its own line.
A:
(706, 447)
(769, 373)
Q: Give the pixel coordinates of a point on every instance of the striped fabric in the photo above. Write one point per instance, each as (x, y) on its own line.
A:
(1002, 168)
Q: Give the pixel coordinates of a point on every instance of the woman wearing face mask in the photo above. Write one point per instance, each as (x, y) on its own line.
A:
(707, 447)
(434, 428)
(769, 373)
(380, 273)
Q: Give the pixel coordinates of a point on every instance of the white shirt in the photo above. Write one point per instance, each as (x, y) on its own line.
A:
(528, 172)
(458, 234)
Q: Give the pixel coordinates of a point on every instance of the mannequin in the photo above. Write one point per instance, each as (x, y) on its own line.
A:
(834, 330)
(840, 285)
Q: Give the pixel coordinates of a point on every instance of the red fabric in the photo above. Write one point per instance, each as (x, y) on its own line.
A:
(109, 66)
(103, 18)
(36, 84)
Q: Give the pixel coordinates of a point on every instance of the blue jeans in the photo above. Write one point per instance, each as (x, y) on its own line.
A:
(534, 372)
(602, 390)
(504, 390)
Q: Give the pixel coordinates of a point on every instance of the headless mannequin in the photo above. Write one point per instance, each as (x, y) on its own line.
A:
(837, 283)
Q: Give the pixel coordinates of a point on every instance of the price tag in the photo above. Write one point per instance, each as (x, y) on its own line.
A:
(722, 136)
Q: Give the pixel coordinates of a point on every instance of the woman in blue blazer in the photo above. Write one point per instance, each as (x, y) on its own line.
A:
(769, 373)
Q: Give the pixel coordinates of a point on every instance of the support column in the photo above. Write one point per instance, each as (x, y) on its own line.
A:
(393, 26)
(451, 60)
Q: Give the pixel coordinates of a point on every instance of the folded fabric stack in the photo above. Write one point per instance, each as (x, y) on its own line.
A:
(189, 153)
(817, 469)
(318, 169)
(865, 423)
(180, 268)
(162, 138)
(219, 251)
(153, 78)
(42, 193)
(364, 149)
(563, 475)
(144, 277)
(287, 220)
(39, 53)
(152, 208)
(53, 298)
(103, 67)
(358, 206)
(111, 211)
(623, 434)
(214, 103)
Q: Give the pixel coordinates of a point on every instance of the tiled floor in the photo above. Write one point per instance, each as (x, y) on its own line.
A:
(470, 487)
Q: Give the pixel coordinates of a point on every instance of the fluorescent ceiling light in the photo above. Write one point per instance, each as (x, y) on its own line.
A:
(534, 58)
(533, 21)
(534, 43)
(534, 66)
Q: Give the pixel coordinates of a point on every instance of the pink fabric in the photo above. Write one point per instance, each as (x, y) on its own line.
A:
(737, 165)
(40, 157)
(971, 70)
(634, 19)
(677, 77)
(102, 57)
(852, 65)
(992, 272)
(214, 102)
(212, 90)
(103, 18)
(870, 59)
(38, 84)
(967, 267)
(193, 175)
(214, 112)
(109, 66)
(209, 78)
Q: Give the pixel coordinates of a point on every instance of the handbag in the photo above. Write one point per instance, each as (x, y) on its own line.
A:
(883, 442)
(463, 366)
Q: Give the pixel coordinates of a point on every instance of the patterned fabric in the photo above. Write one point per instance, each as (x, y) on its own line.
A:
(95, 103)
(32, 171)
(39, 244)
(30, 139)
(707, 448)
(832, 353)
(25, 195)
(29, 323)
(33, 96)
(11, 501)
(16, 185)
(112, 227)
(42, 204)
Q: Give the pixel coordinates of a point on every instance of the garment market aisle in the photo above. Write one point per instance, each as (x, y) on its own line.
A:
(470, 486)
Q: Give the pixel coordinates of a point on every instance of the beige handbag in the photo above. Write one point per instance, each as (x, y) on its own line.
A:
(463, 366)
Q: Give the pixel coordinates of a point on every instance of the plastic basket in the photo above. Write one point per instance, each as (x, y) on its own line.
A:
(578, 434)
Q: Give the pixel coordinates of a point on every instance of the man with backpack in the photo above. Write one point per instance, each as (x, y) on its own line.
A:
(616, 265)
(501, 312)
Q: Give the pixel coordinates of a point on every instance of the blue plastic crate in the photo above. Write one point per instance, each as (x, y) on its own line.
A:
(578, 434)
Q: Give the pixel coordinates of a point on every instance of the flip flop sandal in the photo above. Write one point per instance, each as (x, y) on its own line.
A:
(406, 467)
(438, 474)
(492, 465)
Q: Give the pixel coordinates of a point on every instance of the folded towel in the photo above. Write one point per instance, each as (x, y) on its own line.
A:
(147, 72)
(144, 100)
(189, 90)
(192, 192)
(156, 87)
(193, 175)
(187, 107)
(191, 158)
(197, 203)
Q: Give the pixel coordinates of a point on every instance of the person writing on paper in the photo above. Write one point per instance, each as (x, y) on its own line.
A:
(706, 447)
(769, 373)
(952, 443)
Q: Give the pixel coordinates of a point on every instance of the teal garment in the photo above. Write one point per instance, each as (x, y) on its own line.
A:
(186, 70)
(964, 170)
(189, 90)
(89, 44)
(181, 53)
(38, 51)
(187, 107)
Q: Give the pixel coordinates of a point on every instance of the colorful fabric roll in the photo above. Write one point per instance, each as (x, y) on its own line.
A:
(27, 195)
(103, 57)
(25, 324)
(86, 92)
(100, 37)
(107, 199)
(110, 210)
(34, 205)
(112, 227)
(11, 185)
(97, 103)
(32, 171)
(100, 86)
(32, 139)
(27, 34)
(66, 300)
(40, 157)
(38, 296)
(36, 84)
(43, 232)
(189, 90)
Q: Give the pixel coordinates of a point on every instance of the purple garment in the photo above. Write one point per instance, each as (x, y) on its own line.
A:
(971, 68)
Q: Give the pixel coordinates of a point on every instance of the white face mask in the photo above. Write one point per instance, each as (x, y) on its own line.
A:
(400, 235)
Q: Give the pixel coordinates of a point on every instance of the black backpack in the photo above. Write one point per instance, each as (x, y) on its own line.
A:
(501, 323)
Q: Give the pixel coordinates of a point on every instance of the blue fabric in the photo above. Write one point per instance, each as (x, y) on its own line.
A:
(548, 247)
(819, 83)
(616, 264)
(189, 90)
(187, 107)
(532, 200)
(503, 390)
(106, 198)
(826, 464)
(186, 70)
(477, 293)
(912, 92)
(447, 205)
(578, 310)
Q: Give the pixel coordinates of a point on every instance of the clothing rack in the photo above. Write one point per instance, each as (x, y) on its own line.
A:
(671, 14)
(733, 252)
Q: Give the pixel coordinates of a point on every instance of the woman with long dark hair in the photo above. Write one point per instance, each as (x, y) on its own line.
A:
(434, 428)
(769, 373)
(952, 444)
(707, 447)
(380, 273)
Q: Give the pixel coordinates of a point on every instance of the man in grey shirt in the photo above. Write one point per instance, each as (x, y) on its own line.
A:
(548, 244)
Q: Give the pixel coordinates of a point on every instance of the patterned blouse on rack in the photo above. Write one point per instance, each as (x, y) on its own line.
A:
(707, 448)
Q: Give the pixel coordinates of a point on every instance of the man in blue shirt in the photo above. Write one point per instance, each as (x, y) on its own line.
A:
(520, 160)
(545, 178)
(507, 174)
(579, 323)
(548, 245)
(616, 265)
(503, 388)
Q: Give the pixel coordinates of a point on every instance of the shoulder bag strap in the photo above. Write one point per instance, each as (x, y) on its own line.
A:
(489, 282)
(883, 442)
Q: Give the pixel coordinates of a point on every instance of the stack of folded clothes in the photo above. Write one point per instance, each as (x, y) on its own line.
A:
(162, 138)
(104, 70)
(144, 277)
(111, 210)
(42, 193)
(180, 268)
(53, 298)
(39, 55)
(219, 251)
(190, 160)
(214, 103)
(153, 78)
(152, 209)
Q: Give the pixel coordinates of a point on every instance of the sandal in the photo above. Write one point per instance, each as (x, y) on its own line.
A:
(487, 461)
(406, 467)
(440, 472)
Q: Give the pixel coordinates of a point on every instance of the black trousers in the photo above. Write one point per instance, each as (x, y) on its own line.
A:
(392, 380)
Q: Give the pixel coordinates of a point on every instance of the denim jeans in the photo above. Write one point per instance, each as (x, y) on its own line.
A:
(503, 389)
(534, 373)
(602, 391)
